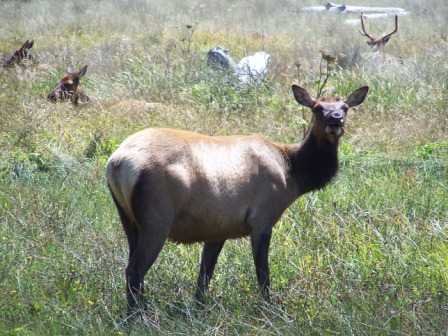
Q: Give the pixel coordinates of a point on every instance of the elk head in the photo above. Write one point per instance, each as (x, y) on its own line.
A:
(329, 113)
(69, 87)
(377, 43)
(21, 54)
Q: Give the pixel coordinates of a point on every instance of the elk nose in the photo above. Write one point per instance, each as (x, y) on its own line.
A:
(337, 117)
(51, 96)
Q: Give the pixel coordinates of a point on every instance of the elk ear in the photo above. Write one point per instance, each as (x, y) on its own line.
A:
(302, 96)
(357, 96)
(30, 45)
(83, 71)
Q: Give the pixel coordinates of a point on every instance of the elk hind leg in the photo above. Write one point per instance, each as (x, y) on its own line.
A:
(130, 229)
(144, 256)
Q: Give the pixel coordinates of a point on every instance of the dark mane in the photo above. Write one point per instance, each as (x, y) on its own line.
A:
(314, 166)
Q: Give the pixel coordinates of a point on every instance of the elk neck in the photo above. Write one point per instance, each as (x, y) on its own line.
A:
(314, 162)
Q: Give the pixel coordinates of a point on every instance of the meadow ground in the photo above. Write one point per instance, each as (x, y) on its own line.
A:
(366, 256)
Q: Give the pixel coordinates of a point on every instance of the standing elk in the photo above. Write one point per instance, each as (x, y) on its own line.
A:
(69, 87)
(187, 187)
(21, 55)
(377, 43)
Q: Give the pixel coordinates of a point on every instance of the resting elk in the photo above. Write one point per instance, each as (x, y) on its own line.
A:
(21, 55)
(186, 187)
(69, 87)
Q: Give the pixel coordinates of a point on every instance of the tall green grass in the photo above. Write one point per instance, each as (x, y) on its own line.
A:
(367, 255)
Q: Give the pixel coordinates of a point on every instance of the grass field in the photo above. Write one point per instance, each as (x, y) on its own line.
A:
(366, 256)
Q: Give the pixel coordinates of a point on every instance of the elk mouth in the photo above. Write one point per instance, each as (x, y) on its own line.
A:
(334, 129)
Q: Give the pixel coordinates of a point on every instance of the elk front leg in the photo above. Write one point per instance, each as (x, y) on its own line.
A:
(260, 250)
(210, 254)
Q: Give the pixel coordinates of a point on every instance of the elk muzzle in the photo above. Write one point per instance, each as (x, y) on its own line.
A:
(335, 124)
(56, 94)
